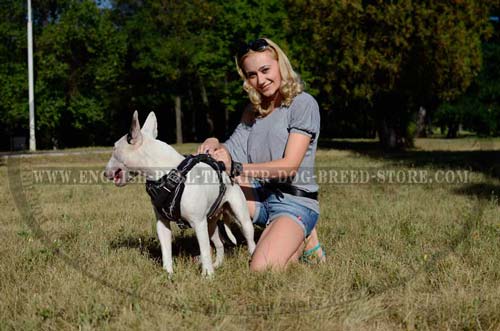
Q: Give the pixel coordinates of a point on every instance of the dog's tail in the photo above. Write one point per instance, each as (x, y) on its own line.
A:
(226, 233)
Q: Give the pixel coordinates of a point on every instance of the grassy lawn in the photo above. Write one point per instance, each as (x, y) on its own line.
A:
(402, 253)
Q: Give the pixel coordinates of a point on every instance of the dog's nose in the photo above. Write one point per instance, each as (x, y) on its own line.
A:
(109, 173)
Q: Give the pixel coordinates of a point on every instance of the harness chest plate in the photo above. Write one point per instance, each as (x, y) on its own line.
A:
(166, 193)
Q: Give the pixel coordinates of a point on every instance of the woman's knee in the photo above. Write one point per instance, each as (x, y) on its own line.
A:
(277, 245)
(258, 264)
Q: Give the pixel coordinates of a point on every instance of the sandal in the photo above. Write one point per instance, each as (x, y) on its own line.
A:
(310, 256)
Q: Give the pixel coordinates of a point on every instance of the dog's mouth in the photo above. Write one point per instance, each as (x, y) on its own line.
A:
(117, 176)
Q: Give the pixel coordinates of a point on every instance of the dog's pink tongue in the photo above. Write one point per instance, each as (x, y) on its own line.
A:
(118, 176)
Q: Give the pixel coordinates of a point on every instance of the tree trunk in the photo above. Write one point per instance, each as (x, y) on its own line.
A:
(393, 118)
(421, 131)
(206, 105)
(393, 135)
(452, 130)
(226, 111)
(178, 119)
(387, 135)
(192, 106)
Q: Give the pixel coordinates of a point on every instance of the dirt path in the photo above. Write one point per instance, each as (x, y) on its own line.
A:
(52, 153)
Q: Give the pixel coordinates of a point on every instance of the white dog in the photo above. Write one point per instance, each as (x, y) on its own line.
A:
(140, 152)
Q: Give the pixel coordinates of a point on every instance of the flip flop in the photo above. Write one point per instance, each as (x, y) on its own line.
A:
(310, 257)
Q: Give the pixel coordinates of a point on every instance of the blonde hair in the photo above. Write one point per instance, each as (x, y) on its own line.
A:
(291, 84)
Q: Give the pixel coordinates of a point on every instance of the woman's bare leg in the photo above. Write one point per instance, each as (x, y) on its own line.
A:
(309, 243)
(277, 246)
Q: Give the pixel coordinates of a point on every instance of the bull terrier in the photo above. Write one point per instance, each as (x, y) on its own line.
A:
(140, 153)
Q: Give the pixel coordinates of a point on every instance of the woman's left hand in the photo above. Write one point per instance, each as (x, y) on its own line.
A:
(208, 146)
(223, 155)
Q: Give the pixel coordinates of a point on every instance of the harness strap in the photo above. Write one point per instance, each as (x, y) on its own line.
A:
(166, 192)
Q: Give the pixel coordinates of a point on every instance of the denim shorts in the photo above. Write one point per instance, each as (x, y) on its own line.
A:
(270, 205)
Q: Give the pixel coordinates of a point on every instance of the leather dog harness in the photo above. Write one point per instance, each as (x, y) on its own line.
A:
(166, 192)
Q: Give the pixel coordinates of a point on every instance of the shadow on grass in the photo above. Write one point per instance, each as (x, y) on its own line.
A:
(150, 246)
(183, 245)
(486, 161)
(358, 146)
(483, 191)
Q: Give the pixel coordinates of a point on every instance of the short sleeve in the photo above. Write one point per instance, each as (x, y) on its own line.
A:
(304, 116)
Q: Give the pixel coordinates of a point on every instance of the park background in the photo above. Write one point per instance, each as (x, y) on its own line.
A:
(391, 70)
(424, 255)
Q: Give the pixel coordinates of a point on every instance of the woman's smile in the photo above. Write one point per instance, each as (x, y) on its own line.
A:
(262, 73)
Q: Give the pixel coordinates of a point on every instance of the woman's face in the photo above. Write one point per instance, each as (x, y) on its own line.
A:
(263, 73)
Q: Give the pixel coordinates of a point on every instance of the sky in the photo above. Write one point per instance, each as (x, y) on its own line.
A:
(104, 3)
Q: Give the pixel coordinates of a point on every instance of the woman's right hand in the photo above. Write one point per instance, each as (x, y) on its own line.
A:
(209, 146)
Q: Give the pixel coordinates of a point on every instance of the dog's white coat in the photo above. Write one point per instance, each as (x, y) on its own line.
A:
(153, 158)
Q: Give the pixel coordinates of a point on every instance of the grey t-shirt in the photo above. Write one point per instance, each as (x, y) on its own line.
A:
(264, 139)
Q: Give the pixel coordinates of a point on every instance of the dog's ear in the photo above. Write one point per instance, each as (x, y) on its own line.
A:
(151, 125)
(135, 136)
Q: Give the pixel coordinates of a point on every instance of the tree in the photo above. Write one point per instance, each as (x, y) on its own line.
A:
(394, 56)
(13, 71)
(165, 41)
(478, 109)
(79, 56)
(185, 50)
(237, 22)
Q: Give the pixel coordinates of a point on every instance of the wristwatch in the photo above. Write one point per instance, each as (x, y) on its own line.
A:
(236, 168)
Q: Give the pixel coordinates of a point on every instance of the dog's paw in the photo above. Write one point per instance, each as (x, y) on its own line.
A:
(197, 259)
(168, 277)
(208, 274)
(168, 269)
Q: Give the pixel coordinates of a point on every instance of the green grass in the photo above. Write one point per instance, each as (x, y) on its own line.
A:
(421, 256)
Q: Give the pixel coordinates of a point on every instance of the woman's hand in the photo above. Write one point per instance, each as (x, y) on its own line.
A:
(209, 146)
(223, 155)
(217, 151)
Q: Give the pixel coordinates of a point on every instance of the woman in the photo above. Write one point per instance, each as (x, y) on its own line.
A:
(271, 153)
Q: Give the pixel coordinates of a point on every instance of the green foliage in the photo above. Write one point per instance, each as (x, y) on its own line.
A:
(13, 67)
(186, 49)
(478, 109)
(355, 50)
(488, 85)
(449, 116)
(370, 63)
(448, 40)
(236, 22)
(395, 56)
(79, 57)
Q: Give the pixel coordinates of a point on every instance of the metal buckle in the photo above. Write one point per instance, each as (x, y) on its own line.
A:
(173, 179)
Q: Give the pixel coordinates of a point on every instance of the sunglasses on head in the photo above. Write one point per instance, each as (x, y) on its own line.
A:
(257, 45)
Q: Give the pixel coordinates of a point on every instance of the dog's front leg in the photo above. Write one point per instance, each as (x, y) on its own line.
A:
(201, 230)
(165, 236)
